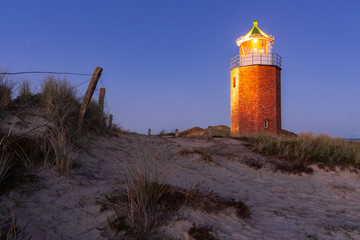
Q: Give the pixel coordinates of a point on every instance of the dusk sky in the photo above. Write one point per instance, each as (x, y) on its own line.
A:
(166, 63)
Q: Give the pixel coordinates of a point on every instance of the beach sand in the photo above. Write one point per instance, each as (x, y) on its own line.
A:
(321, 205)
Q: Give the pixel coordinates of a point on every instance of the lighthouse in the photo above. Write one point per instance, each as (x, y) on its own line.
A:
(255, 85)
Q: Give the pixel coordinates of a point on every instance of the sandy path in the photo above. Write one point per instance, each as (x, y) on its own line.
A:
(325, 205)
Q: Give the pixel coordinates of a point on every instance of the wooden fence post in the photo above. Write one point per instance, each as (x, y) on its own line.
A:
(110, 121)
(209, 132)
(101, 99)
(176, 133)
(89, 92)
(149, 132)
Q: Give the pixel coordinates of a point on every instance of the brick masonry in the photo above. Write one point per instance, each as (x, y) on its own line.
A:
(255, 98)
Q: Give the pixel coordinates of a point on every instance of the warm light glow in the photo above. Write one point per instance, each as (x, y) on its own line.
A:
(255, 42)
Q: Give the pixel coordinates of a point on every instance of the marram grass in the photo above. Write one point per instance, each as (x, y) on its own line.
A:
(307, 148)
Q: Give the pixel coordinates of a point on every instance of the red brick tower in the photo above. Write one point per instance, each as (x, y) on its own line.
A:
(255, 85)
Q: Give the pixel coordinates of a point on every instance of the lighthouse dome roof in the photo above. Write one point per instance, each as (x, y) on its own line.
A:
(255, 32)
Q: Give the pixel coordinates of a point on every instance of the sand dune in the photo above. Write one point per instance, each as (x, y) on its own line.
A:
(322, 205)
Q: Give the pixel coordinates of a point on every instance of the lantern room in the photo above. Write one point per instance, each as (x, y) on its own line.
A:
(255, 42)
(255, 49)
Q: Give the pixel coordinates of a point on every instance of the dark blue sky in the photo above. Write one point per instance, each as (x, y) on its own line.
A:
(166, 63)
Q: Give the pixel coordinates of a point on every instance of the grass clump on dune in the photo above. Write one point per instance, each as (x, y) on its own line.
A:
(60, 102)
(145, 185)
(148, 200)
(60, 151)
(26, 97)
(5, 159)
(307, 148)
(6, 91)
(201, 232)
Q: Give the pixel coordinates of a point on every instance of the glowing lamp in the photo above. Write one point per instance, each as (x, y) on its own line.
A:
(255, 41)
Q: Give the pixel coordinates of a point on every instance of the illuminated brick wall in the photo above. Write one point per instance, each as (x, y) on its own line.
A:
(255, 99)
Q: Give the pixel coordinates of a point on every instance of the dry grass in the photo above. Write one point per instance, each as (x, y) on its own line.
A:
(201, 232)
(26, 97)
(95, 120)
(60, 103)
(344, 187)
(148, 201)
(5, 158)
(6, 91)
(25, 94)
(204, 156)
(8, 229)
(59, 151)
(306, 148)
(145, 185)
(59, 98)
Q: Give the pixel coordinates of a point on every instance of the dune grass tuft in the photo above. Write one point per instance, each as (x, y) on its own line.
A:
(148, 200)
(62, 105)
(95, 119)
(5, 159)
(8, 229)
(201, 232)
(204, 156)
(145, 185)
(26, 97)
(6, 91)
(307, 148)
(60, 102)
(59, 151)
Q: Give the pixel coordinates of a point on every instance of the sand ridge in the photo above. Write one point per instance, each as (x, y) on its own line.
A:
(322, 205)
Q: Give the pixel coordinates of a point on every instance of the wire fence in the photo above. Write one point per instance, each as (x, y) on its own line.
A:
(79, 81)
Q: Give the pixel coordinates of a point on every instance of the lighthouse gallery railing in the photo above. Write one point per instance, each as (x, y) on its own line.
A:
(272, 59)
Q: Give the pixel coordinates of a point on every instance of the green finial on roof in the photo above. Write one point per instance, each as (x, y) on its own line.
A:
(255, 23)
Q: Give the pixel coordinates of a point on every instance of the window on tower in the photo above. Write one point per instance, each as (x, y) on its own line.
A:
(234, 82)
(266, 123)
